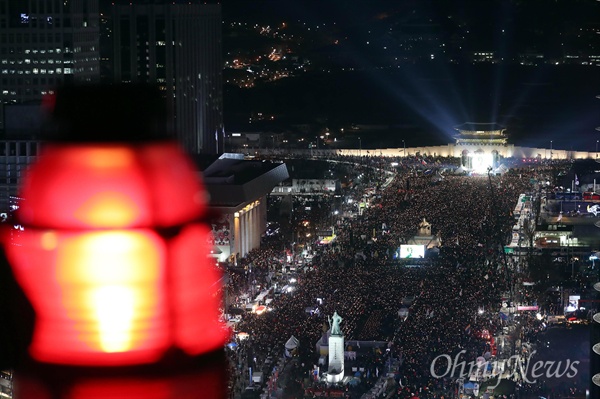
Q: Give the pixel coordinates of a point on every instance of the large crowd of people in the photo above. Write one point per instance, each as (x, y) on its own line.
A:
(454, 294)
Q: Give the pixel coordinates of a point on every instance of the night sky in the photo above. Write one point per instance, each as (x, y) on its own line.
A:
(536, 103)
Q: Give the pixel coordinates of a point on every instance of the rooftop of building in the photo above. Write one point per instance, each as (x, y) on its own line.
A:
(479, 128)
(232, 181)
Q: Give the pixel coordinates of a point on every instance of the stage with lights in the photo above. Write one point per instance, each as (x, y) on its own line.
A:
(481, 145)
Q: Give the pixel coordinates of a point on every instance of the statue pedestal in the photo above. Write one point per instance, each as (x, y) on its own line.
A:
(335, 370)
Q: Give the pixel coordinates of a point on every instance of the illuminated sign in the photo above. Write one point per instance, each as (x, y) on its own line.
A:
(412, 251)
(573, 303)
(519, 308)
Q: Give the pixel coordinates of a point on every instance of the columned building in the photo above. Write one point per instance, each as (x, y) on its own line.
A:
(238, 190)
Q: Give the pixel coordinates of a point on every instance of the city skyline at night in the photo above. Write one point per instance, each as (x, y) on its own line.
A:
(420, 66)
(361, 199)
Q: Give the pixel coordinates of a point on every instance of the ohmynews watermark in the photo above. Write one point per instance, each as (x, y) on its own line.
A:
(528, 370)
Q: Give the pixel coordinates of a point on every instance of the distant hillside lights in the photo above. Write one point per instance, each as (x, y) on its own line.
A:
(484, 57)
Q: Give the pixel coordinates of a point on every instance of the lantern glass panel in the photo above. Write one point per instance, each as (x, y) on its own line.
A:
(98, 296)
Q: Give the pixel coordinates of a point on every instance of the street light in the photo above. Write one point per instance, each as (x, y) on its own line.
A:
(551, 150)
(404, 145)
(359, 147)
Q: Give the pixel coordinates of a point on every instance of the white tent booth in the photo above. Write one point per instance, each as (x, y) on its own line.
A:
(290, 345)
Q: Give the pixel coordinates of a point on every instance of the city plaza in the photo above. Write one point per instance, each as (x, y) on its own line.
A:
(481, 152)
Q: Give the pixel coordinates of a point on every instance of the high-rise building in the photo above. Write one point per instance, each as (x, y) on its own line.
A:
(43, 44)
(15, 156)
(178, 47)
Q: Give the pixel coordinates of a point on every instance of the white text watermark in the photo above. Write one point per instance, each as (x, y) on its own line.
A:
(527, 369)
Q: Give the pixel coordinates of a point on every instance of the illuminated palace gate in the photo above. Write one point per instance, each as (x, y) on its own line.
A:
(480, 145)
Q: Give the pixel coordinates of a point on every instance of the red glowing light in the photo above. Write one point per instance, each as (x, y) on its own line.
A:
(109, 287)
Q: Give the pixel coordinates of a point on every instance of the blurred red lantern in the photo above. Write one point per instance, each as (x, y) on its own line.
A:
(113, 255)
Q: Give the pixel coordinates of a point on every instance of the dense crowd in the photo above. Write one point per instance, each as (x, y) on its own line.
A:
(357, 275)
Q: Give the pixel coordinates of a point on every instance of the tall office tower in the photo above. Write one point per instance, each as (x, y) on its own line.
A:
(177, 46)
(44, 43)
(15, 156)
